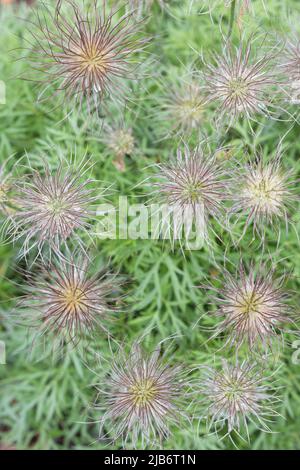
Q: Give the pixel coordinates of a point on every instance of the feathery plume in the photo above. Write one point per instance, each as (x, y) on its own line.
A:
(240, 85)
(7, 202)
(4, 188)
(67, 299)
(86, 54)
(184, 107)
(290, 68)
(193, 186)
(143, 398)
(53, 206)
(253, 306)
(263, 193)
(238, 395)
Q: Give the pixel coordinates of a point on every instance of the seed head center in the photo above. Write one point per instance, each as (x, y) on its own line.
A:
(190, 107)
(57, 206)
(92, 59)
(251, 304)
(123, 143)
(73, 298)
(234, 390)
(143, 392)
(238, 87)
(193, 191)
(266, 193)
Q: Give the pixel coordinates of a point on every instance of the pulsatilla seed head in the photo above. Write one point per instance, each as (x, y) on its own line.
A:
(120, 142)
(289, 67)
(195, 182)
(291, 62)
(184, 107)
(144, 398)
(253, 306)
(69, 300)
(87, 53)
(52, 205)
(240, 85)
(237, 395)
(263, 192)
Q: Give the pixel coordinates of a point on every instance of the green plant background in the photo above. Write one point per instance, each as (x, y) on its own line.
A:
(44, 404)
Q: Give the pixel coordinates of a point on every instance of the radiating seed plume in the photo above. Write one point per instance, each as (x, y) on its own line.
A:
(53, 205)
(194, 186)
(7, 202)
(263, 193)
(143, 399)
(253, 305)
(86, 53)
(184, 107)
(241, 84)
(290, 67)
(238, 395)
(70, 299)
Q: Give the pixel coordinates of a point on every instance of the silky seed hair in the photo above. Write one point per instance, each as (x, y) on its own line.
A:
(5, 186)
(143, 398)
(53, 205)
(86, 53)
(236, 395)
(194, 184)
(69, 300)
(7, 199)
(291, 64)
(263, 194)
(253, 306)
(184, 107)
(289, 67)
(239, 83)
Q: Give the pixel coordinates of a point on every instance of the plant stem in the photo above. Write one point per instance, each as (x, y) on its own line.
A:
(232, 15)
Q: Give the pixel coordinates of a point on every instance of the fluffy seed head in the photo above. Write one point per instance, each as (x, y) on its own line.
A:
(120, 141)
(238, 84)
(194, 183)
(263, 192)
(52, 206)
(66, 299)
(253, 306)
(86, 54)
(144, 397)
(192, 178)
(290, 66)
(237, 395)
(184, 107)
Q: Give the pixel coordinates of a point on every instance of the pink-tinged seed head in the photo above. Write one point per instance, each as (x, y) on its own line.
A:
(87, 53)
(144, 398)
